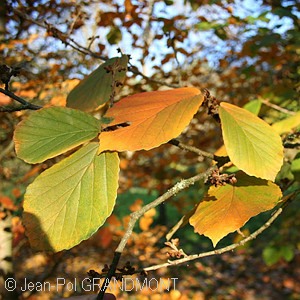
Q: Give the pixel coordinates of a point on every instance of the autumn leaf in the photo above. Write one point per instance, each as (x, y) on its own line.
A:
(53, 131)
(227, 208)
(154, 118)
(96, 88)
(286, 125)
(147, 219)
(70, 201)
(252, 145)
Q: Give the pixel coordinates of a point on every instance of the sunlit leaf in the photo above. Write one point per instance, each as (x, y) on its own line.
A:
(70, 201)
(227, 208)
(287, 124)
(52, 131)
(252, 145)
(221, 151)
(253, 106)
(96, 88)
(154, 118)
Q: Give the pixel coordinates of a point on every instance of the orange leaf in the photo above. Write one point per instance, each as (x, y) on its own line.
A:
(154, 118)
(7, 203)
(227, 208)
(113, 221)
(147, 219)
(136, 205)
(105, 237)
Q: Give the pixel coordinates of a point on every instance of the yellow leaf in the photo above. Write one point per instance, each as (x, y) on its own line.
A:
(287, 124)
(252, 145)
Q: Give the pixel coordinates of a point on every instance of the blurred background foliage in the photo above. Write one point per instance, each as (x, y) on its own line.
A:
(241, 51)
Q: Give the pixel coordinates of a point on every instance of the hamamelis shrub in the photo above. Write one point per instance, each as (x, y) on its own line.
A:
(71, 200)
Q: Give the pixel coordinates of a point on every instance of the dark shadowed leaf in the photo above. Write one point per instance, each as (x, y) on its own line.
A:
(96, 88)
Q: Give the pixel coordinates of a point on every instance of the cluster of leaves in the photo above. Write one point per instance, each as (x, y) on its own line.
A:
(80, 191)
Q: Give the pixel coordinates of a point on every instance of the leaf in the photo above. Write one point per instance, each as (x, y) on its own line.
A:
(53, 131)
(96, 88)
(154, 118)
(295, 167)
(271, 255)
(203, 26)
(287, 252)
(70, 201)
(253, 106)
(287, 124)
(252, 145)
(227, 208)
(221, 151)
(114, 36)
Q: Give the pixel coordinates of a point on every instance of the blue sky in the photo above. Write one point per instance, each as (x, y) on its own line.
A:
(214, 46)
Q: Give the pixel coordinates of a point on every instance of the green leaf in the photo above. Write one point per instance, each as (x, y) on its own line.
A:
(227, 208)
(252, 145)
(287, 124)
(262, 17)
(271, 255)
(52, 131)
(70, 201)
(114, 36)
(295, 167)
(287, 252)
(96, 88)
(253, 106)
(204, 26)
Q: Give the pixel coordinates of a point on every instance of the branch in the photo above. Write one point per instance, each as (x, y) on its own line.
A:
(274, 106)
(218, 251)
(179, 186)
(133, 69)
(64, 38)
(285, 201)
(191, 149)
(26, 105)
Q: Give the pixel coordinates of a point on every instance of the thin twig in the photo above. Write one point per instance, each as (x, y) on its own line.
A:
(191, 149)
(134, 70)
(274, 106)
(183, 221)
(26, 105)
(13, 108)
